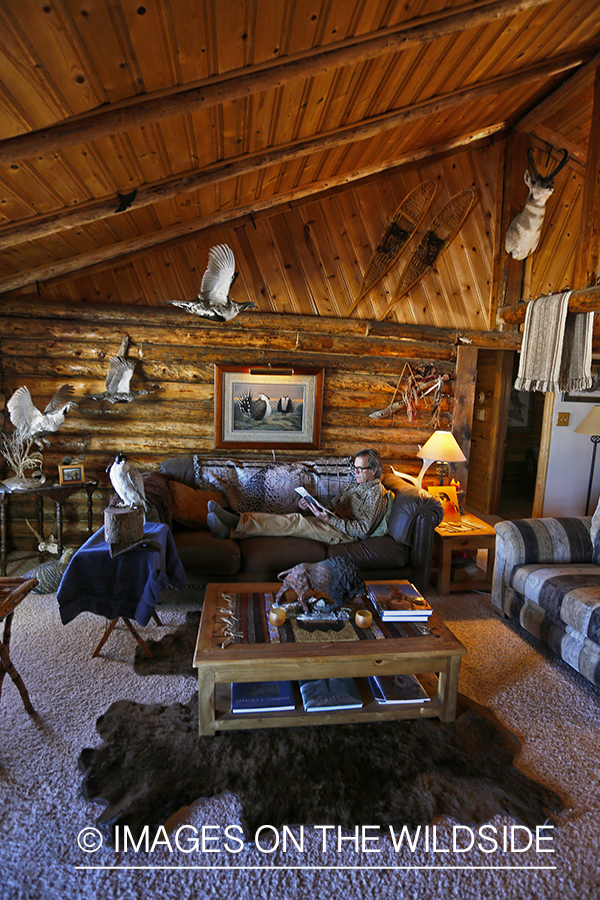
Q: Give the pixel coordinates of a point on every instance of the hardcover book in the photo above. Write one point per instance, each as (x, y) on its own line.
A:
(397, 689)
(399, 602)
(261, 696)
(330, 693)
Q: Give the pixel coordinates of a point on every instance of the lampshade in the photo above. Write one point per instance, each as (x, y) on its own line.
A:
(590, 425)
(442, 445)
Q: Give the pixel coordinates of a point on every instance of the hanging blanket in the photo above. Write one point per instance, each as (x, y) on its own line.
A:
(556, 353)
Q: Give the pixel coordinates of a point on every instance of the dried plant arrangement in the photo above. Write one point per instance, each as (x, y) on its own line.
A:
(16, 450)
(412, 387)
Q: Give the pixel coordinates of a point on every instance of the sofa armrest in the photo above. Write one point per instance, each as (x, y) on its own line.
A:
(422, 546)
(531, 541)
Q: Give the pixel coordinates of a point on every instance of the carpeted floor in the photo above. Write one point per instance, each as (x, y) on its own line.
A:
(554, 712)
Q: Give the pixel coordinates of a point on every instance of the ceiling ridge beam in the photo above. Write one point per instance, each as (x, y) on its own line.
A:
(243, 83)
(50, 223)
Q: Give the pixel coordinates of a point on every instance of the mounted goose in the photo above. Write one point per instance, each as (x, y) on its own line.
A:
(214, 301)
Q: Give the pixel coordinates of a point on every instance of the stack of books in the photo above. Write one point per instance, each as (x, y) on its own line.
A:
(397, 689)
(400, 602)
(325, 694)
(261, 696)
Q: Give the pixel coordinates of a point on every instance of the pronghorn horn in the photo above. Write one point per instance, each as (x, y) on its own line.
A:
(38, 536)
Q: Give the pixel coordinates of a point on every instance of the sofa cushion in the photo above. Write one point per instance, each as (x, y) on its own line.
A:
(409, 501)
(268, 554)
(373, 553)
(569, 592)
(203, 554)
(180, 468)
(189, 506)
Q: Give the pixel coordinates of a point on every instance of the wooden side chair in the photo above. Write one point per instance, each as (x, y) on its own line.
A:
(12, 591)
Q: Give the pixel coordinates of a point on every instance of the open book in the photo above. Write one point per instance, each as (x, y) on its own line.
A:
(309, 497)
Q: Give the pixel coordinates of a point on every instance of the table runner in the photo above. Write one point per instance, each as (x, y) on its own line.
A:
(246, 617)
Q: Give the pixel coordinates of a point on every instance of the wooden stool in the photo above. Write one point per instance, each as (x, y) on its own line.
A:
(12, 591)
(109, 627)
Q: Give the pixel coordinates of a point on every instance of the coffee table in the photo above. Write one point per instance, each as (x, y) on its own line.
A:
(427, 655)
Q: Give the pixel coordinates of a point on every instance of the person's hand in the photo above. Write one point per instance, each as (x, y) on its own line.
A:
(303, 503)
(319, 513)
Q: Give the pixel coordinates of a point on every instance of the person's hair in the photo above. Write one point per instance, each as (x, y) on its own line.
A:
(373, 461)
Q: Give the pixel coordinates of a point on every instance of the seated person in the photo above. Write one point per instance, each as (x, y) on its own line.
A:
(355, 513)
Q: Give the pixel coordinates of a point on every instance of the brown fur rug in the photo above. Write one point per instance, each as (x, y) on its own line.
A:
(153, 762)
(173, 653)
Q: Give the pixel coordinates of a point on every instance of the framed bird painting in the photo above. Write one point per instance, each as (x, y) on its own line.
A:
(266, 408)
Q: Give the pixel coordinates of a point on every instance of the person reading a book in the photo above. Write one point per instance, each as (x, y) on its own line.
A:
(355, 514)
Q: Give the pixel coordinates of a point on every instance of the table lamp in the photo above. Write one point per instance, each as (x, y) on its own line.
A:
(442, 448)
(591, 425)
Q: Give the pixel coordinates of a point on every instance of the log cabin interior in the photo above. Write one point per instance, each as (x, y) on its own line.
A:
(292, 132)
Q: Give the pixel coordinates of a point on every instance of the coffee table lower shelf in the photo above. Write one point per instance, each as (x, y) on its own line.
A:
(371, 711)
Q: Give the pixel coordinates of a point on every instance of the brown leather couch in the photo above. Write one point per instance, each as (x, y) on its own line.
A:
(404, 552)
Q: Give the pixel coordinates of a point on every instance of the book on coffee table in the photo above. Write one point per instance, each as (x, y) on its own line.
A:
(329, 693)
(261, 696)
(397, 689)
(399, 602)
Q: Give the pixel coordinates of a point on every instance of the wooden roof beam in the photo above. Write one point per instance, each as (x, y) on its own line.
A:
(50, 223)
(568, 91)
(584, 300)
(243, 83)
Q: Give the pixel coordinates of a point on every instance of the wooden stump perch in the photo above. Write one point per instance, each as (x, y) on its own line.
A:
(123, 526)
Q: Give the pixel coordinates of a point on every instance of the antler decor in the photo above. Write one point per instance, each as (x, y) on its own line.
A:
(523, 233)
(417, 385)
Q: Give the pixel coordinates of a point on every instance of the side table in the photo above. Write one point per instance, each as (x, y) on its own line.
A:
(57, 492)
(471, 533)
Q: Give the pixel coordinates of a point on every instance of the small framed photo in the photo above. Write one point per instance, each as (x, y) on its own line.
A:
(70, 474)
(449, 499)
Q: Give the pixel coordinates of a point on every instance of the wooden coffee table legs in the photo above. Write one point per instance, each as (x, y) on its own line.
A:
(448, 689)
(206, 701)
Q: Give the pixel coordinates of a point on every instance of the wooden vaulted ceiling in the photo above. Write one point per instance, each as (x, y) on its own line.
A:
(290, 129)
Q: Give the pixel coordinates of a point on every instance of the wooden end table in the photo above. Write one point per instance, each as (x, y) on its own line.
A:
(437, 652)
(475, 534)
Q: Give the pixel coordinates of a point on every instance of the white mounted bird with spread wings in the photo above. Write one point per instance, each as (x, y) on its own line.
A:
(214, 302)
(117, 384)
(30, 423)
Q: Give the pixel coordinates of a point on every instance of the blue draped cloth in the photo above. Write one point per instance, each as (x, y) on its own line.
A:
(127, 585)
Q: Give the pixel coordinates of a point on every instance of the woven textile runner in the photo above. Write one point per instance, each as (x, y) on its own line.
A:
(556, 352)
(251, 611)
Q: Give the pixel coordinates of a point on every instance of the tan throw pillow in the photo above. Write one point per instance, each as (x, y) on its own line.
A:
(189, 506)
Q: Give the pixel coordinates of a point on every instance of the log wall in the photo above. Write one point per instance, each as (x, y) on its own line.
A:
(44, 346)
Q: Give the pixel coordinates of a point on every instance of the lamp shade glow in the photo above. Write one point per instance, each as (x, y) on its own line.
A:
(442, 445)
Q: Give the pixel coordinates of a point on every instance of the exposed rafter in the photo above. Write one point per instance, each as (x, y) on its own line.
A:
(179, 101)
(584, 300)
(50, 223)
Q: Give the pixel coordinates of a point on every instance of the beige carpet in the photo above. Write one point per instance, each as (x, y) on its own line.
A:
(554, 712)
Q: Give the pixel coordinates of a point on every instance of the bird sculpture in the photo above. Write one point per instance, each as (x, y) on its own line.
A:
(117, 384)
(214, 302)
(33, 425)
(127, 482)
(258, 409)
(285, 405)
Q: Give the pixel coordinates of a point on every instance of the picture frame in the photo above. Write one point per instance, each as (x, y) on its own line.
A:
(73, 474)
(446, 494)
(265, 408)
(520, 410)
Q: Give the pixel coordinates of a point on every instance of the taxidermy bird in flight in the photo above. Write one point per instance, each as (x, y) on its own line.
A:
(30, 423)
(214, 301)
(117, 387)
(127, 482)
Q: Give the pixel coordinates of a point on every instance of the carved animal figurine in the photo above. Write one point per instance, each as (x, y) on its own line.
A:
(127, 482)
(523, 234)
(339, 577)
(213, 300)
(33, 424)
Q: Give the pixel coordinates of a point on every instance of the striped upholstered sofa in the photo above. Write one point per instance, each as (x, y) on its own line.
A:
(545, 578)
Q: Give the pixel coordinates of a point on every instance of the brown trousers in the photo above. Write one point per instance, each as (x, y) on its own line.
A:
(288, 525)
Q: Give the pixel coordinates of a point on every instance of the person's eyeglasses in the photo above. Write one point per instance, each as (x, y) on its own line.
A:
(361, 468)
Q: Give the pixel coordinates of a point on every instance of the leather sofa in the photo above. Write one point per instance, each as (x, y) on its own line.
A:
(404, 552)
